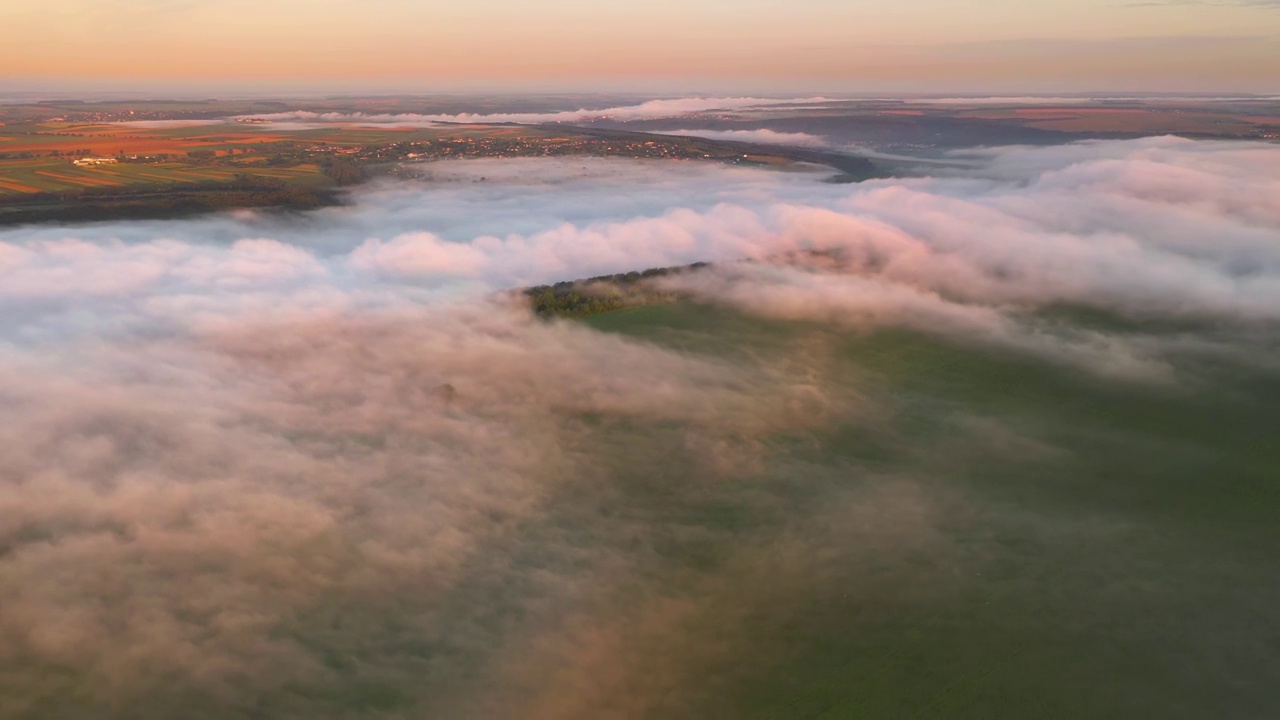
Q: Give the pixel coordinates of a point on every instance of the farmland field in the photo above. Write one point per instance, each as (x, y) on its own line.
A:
(27, 163)
(59, 175)
(37, 157)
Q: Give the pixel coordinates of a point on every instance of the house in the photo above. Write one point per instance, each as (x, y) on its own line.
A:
(95, 161)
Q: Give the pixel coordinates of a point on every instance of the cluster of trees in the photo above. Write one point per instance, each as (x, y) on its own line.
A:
(158, 157)
(575, 304)
(343, 172)
(29, 154)
(603, 293)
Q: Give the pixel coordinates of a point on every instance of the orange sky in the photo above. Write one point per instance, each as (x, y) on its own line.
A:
(834, 44)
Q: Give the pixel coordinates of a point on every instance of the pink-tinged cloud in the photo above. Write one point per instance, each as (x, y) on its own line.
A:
(273, 461)
(652, 109)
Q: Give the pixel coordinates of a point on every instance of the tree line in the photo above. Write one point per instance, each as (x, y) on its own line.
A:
(603, 293)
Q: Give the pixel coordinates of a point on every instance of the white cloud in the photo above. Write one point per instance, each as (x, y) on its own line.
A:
(764, 137)
(652, 109)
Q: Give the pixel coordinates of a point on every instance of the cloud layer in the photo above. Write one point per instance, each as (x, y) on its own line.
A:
(315, 467)
(762, 136)
(650, 110)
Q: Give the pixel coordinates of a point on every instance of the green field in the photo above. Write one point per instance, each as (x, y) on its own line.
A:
(57, 175)
(980, 536)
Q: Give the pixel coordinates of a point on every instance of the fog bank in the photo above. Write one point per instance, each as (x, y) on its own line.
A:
(313, 467)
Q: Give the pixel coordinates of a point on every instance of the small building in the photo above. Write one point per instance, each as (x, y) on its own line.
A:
(95, 161)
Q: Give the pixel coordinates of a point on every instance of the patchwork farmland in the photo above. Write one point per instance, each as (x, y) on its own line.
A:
(55, 175)
(40, 157)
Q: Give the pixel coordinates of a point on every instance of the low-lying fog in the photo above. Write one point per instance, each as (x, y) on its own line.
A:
(266, 466)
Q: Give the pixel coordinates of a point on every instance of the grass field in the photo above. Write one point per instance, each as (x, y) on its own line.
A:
(986, 536)
(57, 175)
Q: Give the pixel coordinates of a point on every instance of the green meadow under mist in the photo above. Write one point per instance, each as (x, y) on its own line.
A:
(952, 533)
(940, 532)
(987, 536)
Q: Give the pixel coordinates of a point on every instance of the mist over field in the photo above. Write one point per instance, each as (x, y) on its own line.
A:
(993, 440)
(649, 109)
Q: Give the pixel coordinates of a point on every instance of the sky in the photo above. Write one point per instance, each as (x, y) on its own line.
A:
(660, 45)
